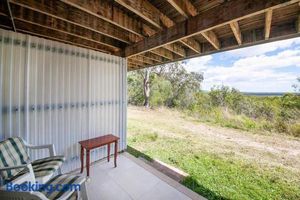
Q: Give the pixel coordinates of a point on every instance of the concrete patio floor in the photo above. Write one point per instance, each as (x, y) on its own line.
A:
(133, 179)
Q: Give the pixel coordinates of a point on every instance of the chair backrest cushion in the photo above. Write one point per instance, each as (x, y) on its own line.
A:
(12, 153)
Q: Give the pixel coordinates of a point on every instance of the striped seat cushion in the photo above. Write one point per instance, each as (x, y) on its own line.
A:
(47, 166)
(41, 167)
(67, 184)
(12, 152)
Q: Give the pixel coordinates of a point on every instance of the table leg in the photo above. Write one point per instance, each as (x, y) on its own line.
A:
(81, 158)
(116, 152)
(108, 152)
(88, 162)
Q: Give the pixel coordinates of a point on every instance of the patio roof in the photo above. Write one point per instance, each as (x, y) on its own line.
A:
(155, 32)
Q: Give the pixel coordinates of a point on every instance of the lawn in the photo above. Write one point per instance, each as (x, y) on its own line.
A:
(222, 163)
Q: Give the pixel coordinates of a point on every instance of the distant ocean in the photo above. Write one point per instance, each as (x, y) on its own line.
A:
(264, 94)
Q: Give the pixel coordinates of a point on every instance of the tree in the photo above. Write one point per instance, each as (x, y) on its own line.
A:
(146, 75)
(170, 85)
(297, 86)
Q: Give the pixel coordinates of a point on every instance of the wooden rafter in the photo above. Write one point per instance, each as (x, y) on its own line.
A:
(228, 12)
(163, 53)
(268, 23)
(57, 9)
(212, 38)
(175, 49)
(29, 16)
(192, 44)
(139, 62)
(154, 57)
(147, 11)
(110, 13)
(11, 16)
(236, 31)
(132, 65)
(298, 22)
(151, 14)
(56, 35)
(184, 7)
(143, 59)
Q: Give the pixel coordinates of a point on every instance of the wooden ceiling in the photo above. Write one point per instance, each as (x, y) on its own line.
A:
(154, 32)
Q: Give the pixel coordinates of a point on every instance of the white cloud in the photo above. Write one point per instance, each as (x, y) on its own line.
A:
(256, 72)
(198, 64)
(262, 49)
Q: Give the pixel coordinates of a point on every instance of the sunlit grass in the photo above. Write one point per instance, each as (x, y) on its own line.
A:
(213, 175)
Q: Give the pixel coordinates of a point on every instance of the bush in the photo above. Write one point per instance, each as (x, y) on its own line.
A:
(281, 126)
(230, 108)
(295, 130)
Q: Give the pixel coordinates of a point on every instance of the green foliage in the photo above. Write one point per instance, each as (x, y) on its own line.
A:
(170, 85)
(135, 89)
(230, 108)
(161, 91)
(295, 130)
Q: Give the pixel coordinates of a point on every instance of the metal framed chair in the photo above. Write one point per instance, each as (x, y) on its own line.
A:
(14, 157)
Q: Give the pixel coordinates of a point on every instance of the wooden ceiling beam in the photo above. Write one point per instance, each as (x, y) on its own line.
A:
(132, 65)
(163, 53)
(187, 9)
(153, 57)
(57, 9)
(229, 11)
(143, 59)
(236, 31)
(212, 38)
(192, 44)
(255, 36)
(148, 12)
(298, 22)
(139, 62)
(268, 23)
(175, 48)
(184, 7)
(152, 15)
(109, 12)
(112, 14)
(46, 21)
(59, 36)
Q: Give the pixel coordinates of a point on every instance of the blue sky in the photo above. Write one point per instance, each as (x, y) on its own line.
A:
(271, 67)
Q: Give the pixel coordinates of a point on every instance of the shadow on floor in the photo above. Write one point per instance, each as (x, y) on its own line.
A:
(189, 181)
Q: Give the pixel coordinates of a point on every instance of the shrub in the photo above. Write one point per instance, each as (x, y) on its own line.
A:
(295, 130)
(281, 126)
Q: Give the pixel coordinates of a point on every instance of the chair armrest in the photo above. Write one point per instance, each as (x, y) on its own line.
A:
(29, 176)
(50, 147)
(13, 167)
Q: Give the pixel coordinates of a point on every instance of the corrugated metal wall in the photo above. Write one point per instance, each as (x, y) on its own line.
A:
(57, 93)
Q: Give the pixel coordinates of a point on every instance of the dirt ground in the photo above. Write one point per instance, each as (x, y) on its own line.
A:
(264, 148)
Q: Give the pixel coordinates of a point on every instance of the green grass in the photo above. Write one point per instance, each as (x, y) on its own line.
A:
(212, 175)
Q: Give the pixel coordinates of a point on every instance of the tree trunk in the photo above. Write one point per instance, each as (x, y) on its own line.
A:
(147, 88)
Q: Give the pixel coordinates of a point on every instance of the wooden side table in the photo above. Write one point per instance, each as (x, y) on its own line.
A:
(97, 142)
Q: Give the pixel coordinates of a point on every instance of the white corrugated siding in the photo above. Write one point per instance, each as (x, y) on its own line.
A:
(57, 93)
